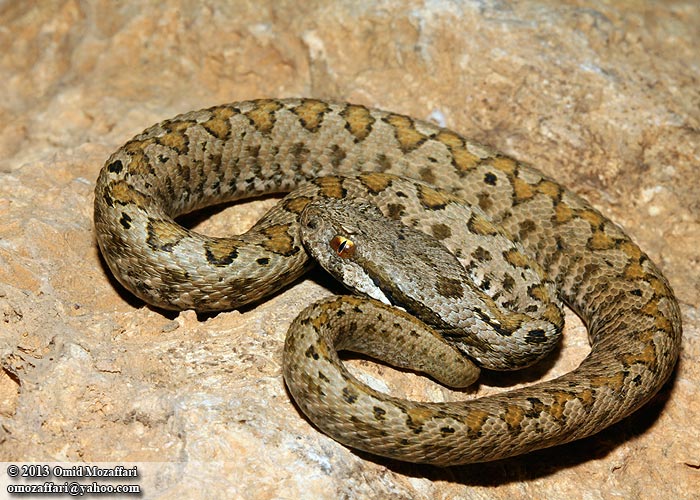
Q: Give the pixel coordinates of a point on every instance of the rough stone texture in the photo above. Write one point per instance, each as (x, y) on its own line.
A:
(604, 96)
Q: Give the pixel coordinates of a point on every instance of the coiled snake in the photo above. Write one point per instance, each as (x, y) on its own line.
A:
(252, 148)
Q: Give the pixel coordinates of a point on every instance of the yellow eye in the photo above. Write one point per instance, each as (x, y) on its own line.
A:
(343, 247)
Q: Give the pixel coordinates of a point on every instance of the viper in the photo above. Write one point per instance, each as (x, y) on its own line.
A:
(415, 176)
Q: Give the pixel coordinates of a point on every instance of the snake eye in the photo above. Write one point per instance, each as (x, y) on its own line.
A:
(344, 247)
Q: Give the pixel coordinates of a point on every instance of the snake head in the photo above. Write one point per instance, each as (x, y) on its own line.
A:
(332, 233)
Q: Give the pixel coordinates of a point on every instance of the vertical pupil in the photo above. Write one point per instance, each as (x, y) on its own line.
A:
(342, 246)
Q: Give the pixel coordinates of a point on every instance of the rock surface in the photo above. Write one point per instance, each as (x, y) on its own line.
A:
(603, 96)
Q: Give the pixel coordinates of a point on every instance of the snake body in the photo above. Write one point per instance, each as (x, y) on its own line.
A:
(252, 148)
(445, 262)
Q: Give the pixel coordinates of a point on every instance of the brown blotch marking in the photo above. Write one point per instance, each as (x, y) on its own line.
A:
(376, 182)
(417, 417)
(514, 416)
(660, 320)
(485, 202)
(176, 138)
(516, 258)
(651, 308)
(634, 270)
(139, 164)
(358, 121)
(331, 186)
(297, 205)
(563, 213)
(522, 190)
(449, 287)
(478, 224)
(554, 315)
(278, 240)
(449, 139)
(219, 125)
(549, 188)
(505, 164)
(441, 231)
(600, 241)
(560, 399)
(462, 159)
(447, 431)
(663, 323)
(646, 357)
(163, 235)
(646, 336)
(262, 117)
(660, 287)
(631, 250)
(586, 397)
(592, 217)
(137, 146)
(538, 292)
(433, 199)
(318, 322)
(405, 132)
(124, 194)
(615, 381)
(351, 301)
(221, 251)
(311, 113)
(475, 422)
(504, 324)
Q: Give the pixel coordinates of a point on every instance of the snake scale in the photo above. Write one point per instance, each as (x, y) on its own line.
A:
(249, 149)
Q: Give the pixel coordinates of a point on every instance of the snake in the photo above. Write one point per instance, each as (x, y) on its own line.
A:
(418, 175)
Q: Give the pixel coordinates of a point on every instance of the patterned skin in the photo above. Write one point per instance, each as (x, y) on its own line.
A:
(248, 149)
